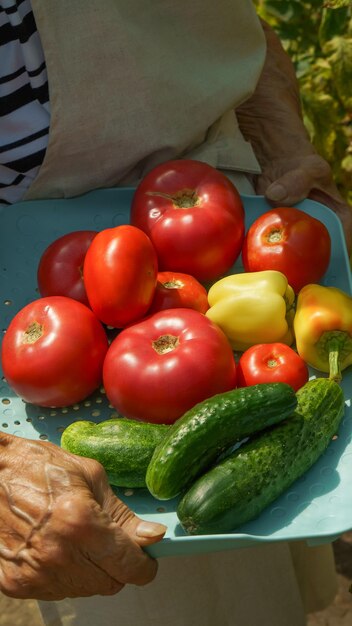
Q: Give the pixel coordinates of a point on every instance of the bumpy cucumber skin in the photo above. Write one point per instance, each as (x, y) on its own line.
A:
(124, 447)
(239, 488)
(197, 438)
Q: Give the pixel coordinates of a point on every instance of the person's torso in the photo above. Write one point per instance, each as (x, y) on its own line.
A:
(133, 84)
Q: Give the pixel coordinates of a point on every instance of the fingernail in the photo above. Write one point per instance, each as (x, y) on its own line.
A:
(276, 192)
(150, 529)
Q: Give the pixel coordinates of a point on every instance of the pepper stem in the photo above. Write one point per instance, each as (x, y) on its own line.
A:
(334, 360)
(335, 348)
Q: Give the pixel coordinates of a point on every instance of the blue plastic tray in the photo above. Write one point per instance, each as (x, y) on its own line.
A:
(318, 507)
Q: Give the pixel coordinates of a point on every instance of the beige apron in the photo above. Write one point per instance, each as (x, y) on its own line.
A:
(133, 83)
(136, 82)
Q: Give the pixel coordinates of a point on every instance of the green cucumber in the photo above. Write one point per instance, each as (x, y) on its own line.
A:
(197, 438)
(124, 447)
(238, 488)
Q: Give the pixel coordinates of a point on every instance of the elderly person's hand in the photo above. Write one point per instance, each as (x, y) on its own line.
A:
(271, 119)
(63, 532)
(288, 181)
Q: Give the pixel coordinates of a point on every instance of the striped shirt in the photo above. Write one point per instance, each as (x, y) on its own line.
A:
(24, 100)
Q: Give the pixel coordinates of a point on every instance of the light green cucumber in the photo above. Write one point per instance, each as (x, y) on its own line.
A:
(124, 447)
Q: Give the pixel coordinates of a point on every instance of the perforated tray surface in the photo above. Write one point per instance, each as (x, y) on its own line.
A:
(317, 507)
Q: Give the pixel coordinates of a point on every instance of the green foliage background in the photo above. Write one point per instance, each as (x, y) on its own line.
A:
(318, 38)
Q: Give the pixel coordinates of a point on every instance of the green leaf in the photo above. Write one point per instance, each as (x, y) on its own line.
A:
(321, 114)
(337, 4)
(317, 35)
(333, 23)
(340, 57)
(285, 10)
(346, 164)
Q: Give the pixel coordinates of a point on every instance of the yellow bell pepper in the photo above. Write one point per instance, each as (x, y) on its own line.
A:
(253, 307)
(323, 328)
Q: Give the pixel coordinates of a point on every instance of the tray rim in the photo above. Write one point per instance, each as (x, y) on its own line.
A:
(180, 544)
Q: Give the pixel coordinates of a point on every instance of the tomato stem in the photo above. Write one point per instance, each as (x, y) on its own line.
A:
(33, 333)
(173, 284)
(274, 236)
(165, 343)
(183, 199)
(272, 363)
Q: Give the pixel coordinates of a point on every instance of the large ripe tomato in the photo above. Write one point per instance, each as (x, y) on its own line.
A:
(177, 290)
(271, 363)
(193, 215)
(120, 272)
(159, 368)
(290, 241)
(60, 269)
(53, 352)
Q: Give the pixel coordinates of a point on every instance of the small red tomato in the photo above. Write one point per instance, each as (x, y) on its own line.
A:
(53, 352)
(290, 241)
(60, 269)
(271, 363)
(194, 216)
(177, 290)
(120, 271)
(159, 368)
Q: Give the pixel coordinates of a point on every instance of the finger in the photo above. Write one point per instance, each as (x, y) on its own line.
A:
(81, 522)
(296, 181)
(130, 533)
(48, 580)
(142, 531)
(121, 558)
(290, 188)
(111, 548)
(43, 590)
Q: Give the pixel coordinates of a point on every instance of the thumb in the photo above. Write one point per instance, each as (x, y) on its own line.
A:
(141, 531)
(290, 188)
(300, 177)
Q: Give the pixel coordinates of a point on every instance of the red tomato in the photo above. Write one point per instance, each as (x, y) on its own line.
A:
(53, 352)
(60, 269)
(120, 271)
(271, 363)
(193, 215)
(159, 368)
(290, 241)
(177, 290)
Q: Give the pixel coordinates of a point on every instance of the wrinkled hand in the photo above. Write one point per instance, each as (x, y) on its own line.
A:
(63, 532)
(288, 181)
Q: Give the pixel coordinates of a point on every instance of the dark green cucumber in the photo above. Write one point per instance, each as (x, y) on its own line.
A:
(124, 447)
(240, 487)
(197, 438)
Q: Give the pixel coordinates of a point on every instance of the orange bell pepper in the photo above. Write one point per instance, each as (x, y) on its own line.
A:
(323, 328)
